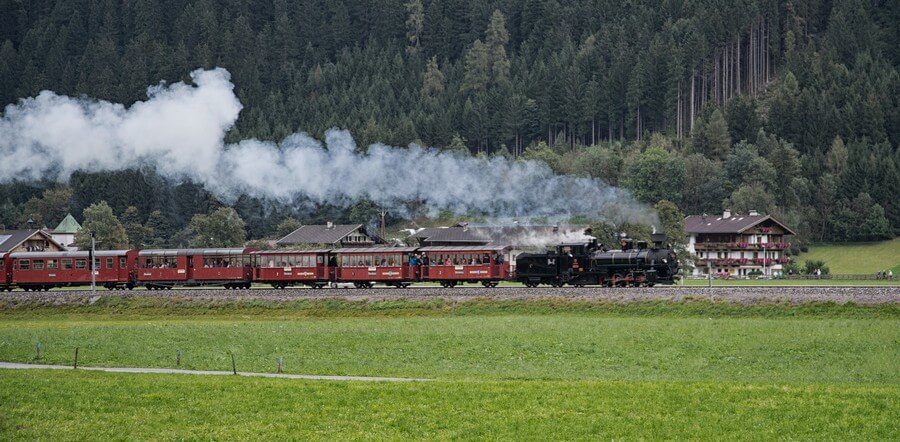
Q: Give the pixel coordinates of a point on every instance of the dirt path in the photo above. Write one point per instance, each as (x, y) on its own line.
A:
(18, 366)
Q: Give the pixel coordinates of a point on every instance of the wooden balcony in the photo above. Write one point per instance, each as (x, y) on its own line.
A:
(741, 246)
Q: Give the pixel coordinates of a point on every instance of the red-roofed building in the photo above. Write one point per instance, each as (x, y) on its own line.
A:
(737, 245)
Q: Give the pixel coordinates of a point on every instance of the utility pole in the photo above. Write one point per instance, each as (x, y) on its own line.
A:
(93, 266)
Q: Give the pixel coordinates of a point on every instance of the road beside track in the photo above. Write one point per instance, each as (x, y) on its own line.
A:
(739, 295)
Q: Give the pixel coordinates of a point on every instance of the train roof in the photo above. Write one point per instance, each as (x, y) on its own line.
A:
(69, 254)
(290, 252)
(191, 252)
(483, 248)
(351, 250)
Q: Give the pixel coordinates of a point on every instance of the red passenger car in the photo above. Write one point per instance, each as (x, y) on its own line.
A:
(366, 266)
(282, 268)
(452, 265)
(5, 272)
(163, 269)
(44, 270)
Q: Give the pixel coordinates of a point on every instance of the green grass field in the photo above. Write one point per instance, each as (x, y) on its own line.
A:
(517, 370)
(792, 282)
(857, 258)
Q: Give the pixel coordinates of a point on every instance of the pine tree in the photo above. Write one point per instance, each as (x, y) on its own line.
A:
(415, 24)
(711, 136)
(496, 38)
(432, 81)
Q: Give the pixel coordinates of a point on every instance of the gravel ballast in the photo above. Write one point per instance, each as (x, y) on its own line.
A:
(737, 295)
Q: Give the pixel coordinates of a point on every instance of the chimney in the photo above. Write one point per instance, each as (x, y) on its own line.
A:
(329, 225)
(726, 213)
(753, 212)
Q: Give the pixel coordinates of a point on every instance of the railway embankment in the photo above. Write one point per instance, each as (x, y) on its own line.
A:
(886, 295)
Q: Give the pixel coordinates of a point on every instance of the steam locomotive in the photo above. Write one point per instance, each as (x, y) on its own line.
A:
(634, 264)
(569, 264)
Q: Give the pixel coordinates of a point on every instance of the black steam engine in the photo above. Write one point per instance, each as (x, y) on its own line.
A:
(634, 264)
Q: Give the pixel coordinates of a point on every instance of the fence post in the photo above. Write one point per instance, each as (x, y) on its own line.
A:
(178, 358)
(37, 351)
(233, 364)
(280, 363)
(76, 358)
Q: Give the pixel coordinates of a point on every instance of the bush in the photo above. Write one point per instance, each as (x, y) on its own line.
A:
(810, 267)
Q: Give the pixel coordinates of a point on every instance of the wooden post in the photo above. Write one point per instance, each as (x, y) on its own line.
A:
(178, 358)
(233, 364)
(280, 364)
(37, 351)
(76, 358)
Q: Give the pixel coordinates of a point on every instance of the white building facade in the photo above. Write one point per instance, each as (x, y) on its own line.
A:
(736, 245)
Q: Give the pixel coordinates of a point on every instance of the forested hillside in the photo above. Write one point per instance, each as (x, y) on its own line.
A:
(787, 107)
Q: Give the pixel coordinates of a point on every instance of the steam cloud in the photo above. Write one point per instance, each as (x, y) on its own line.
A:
(180, 129)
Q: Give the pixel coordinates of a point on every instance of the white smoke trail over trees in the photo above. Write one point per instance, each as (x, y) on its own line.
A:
(180, 129)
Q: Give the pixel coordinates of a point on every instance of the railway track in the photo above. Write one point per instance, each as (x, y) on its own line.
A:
(743, 294)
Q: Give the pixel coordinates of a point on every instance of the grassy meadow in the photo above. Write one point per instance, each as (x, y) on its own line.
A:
(857, 258)
(507, 370)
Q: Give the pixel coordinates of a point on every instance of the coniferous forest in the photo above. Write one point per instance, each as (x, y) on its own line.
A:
(791, 108)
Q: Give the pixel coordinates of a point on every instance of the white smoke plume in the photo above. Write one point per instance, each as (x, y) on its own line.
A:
(180, 130)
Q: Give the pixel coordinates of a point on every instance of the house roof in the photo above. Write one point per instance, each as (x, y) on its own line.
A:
(319, 234)
(68, 225)
(10, 239)
(732, 224)
(452, 234)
